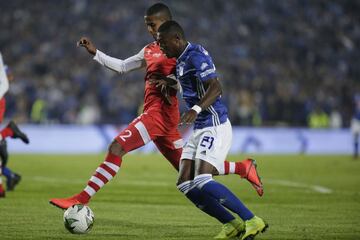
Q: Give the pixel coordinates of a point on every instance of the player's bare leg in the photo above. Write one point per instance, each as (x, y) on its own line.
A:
(103, 174)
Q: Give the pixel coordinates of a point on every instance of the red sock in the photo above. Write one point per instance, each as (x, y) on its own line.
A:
(226, 167)
(103, 174)
(240, 169)
(7, 132)
(234, 168)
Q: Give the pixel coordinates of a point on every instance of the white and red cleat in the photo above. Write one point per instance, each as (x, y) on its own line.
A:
(65, 203)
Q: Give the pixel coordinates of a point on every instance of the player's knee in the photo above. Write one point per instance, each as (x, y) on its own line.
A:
(185, 186)
(116, 149)
(181, 180)
(202, 179)
(184, 176)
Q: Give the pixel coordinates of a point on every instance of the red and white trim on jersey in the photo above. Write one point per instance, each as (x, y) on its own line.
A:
(178, 143)
(143, 132)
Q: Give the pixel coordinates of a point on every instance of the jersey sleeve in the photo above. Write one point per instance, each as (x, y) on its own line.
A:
(4, 82)
(121, 66)
(203, 64)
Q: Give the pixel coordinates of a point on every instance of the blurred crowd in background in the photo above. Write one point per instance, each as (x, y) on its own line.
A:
(281, 63)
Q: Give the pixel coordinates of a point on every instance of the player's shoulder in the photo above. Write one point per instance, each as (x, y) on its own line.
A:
(198, 54)
(152, 45)
(197, 51)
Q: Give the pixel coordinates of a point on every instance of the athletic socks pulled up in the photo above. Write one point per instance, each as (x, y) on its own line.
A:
(223, 195)
(205, 202)
(103, 174)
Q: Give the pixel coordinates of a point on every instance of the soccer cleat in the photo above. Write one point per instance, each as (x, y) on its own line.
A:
(252, 175)
(15, 179)
(234, 228)
(17, 132)
(65, 203)
(253, 227)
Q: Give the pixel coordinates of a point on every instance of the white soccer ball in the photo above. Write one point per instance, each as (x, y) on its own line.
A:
(78, 219)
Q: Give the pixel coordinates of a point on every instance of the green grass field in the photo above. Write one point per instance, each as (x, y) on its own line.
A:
(306, 197)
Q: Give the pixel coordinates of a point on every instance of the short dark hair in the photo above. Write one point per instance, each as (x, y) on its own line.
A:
(172, 27)
(159, 8)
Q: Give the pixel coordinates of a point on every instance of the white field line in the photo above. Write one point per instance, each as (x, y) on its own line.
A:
(156, 183)
(286, 183)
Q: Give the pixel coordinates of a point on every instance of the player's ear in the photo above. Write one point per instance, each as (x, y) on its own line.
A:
(177, 38)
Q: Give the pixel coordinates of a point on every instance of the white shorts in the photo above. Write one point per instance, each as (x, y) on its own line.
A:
(355, 126)
(210, 144)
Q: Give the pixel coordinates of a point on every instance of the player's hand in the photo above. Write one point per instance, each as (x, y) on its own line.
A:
(160, 81)
(87, 44)
(189, 117)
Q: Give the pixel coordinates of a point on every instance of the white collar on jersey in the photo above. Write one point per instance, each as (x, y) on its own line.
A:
(187, 46)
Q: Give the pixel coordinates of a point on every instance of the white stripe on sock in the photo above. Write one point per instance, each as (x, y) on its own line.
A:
(97, 181)
(112, 166)
(202, 179)
(89, 190)
(231, 167)
(185, 187)
(104, 173)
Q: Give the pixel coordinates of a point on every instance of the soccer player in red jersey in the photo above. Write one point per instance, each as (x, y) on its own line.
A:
(157, 123)
(11, 130)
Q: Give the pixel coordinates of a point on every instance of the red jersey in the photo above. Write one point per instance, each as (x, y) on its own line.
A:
(154, 100)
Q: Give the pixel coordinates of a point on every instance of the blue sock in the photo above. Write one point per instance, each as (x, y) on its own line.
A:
(7, 173)
(206, 203)
(223, 195)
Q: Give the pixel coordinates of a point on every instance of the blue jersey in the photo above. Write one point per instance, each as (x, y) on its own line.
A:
(193, 68)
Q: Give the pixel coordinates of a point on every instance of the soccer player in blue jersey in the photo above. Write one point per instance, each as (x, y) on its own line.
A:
(206, 150)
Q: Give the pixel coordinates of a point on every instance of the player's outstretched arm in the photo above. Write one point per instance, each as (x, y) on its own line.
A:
(213, 90)
(118, 65)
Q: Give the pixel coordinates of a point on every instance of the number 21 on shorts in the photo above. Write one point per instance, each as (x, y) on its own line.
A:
(207, 142)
